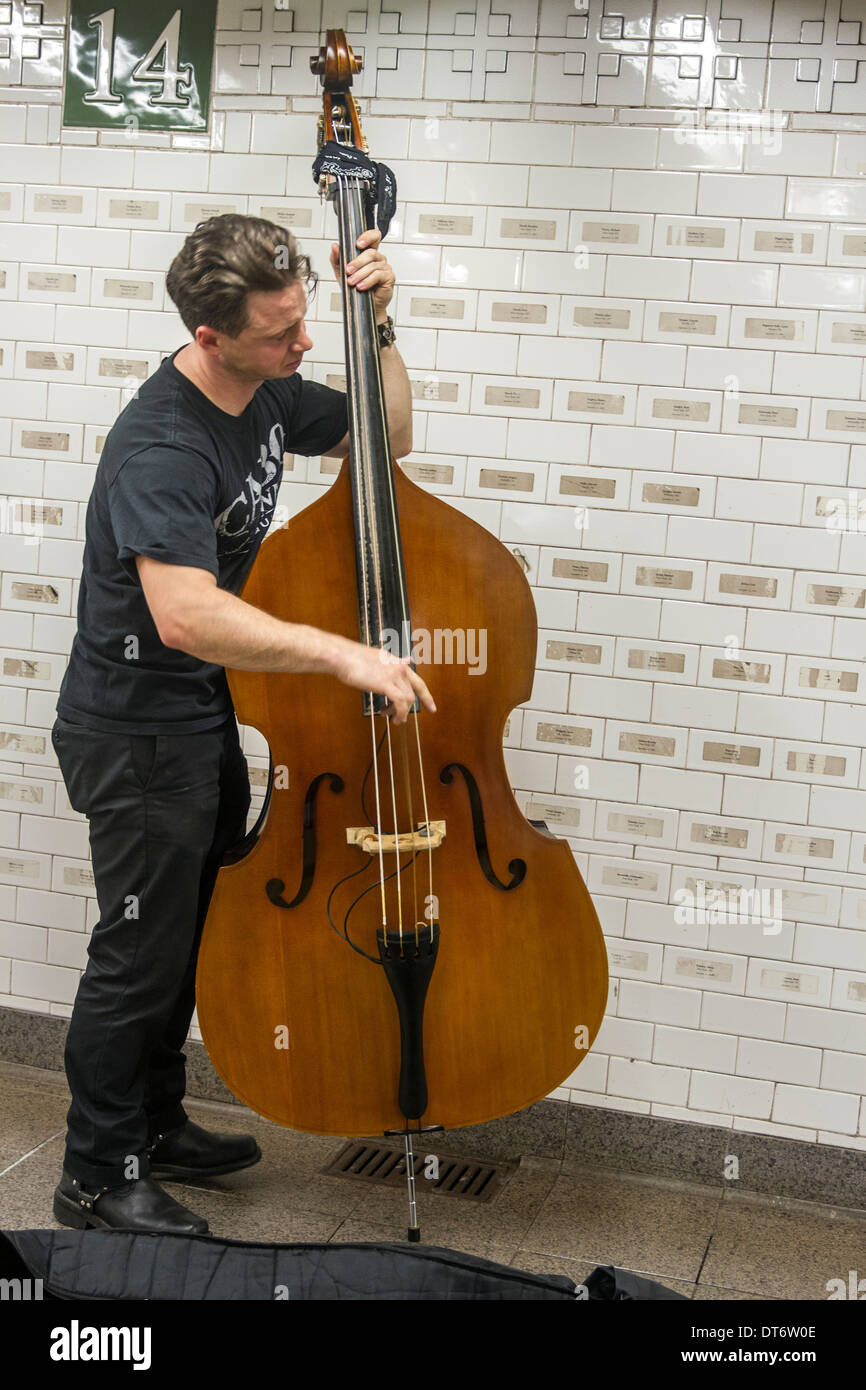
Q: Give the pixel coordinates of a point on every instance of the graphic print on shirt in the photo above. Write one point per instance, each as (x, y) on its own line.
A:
(249, 515)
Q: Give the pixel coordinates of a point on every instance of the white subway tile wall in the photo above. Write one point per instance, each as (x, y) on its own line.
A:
(631, 260)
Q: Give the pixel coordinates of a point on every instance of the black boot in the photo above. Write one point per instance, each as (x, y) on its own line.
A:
(136, 1206)
(193, 1152)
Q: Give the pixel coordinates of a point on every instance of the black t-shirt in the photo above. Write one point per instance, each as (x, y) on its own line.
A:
(188, 484)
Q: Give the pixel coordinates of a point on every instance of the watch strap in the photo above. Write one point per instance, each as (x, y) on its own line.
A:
(386, 333)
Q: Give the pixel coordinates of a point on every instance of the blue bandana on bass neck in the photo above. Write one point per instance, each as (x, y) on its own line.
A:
(349, 162)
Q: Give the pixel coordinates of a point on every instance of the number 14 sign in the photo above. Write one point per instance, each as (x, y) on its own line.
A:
(140, 66)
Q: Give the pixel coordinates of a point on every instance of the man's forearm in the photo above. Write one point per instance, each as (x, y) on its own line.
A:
(398, 400)
(222, 628)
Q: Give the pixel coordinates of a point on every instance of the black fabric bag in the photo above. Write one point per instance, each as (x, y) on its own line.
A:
(137, 1265)
(134, 1265)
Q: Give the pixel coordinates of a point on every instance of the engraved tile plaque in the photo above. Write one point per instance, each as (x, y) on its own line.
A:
(792, 981)
(55, 281)
(564, 733)
(848, 332)
(818, 678)
(732, 836)
(687, 323)
(123, 367)
(823, 764)
(47, 441)
(71, 203)
(664, 579)
(556, 815)
(36, 513)
(38, 361)
(506, 479)
(639, 660)
(696, 236)
(22, 791)
(435, 390)
(628, 959)
(752, 584)
(596, 402)
(622, 877)
(758, 671)
(571, 486)
(518, 313)
(741, 753)
(657, 745)
(134, 209)
(13, 742)
(699, 887)
(128, 289)
(836, 595)
(74, 877)
(34, 593)
(595, 570)
(528, 228)
(289, 217)
(429, 472)
(524, 397)
(583, 652)
(665, 409)
(427, 308)
(649, 827)
(784, 243)
(805, 846)
(19, 868)
(671, 494)
(777, 417)
(778, 330)
(695, 969)
(199, 212)
(447, 224)
(596, 316)
(22, 669)
(624, 233)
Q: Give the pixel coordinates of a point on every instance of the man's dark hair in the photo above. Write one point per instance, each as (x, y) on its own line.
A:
(223, 260)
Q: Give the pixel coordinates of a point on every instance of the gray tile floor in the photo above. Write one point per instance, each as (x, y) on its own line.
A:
(552, 1217)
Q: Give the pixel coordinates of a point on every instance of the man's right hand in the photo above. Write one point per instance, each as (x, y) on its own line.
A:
(376, 669)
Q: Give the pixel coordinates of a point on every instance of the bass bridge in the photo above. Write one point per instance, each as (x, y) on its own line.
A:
(426, 835)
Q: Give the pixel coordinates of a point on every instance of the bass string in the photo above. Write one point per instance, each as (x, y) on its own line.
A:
(361, 488)
(370, 568)
(363, 389)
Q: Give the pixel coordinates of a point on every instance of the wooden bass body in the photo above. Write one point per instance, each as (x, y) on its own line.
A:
(304, 1028)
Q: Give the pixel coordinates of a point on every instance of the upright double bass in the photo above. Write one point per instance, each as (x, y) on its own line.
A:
(394, 942)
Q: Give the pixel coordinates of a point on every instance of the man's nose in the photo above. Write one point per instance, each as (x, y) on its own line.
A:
(304, 341)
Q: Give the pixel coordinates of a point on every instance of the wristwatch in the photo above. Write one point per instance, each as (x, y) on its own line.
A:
(387, 336)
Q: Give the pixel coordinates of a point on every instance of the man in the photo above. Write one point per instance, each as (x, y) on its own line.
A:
(146, 735)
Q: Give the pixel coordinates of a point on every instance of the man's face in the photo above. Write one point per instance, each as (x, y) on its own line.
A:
(274, 340)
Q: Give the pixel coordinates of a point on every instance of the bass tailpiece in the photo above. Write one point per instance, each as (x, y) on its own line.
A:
(408, 969)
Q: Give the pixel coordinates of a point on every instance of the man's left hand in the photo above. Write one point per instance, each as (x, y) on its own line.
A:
(368, 270)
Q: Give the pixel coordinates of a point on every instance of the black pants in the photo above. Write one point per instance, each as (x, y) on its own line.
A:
(163, 809)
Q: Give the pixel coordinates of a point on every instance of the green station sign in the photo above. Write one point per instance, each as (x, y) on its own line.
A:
(140, 66)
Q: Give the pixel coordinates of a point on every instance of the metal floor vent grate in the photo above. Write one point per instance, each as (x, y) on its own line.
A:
(455, 1175)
